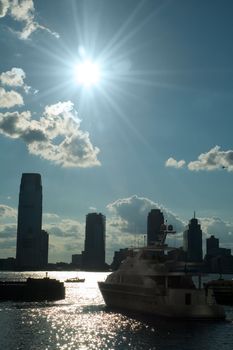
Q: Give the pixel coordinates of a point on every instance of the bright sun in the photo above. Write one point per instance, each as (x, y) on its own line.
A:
(87, 73)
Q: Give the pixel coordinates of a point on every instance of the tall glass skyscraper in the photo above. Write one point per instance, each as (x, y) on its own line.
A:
(32, 241)
(94, 249)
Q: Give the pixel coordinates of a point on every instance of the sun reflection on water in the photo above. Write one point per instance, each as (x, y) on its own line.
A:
(81, 321)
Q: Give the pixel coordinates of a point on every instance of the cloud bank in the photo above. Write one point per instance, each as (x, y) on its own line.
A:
(130, 214)
(219, 228)
(23, 11)
(214, 159)
(56, 136)
(66, 236)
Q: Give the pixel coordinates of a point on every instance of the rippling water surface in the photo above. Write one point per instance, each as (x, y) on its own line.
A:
(81, 321)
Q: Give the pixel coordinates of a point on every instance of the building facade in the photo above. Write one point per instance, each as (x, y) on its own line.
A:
(155, 220)
(32, 241)
(94, 246)
(192, 241)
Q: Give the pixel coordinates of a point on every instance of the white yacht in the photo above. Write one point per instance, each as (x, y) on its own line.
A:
(150, 281)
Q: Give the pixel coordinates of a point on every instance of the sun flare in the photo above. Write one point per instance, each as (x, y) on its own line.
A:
(87, 73)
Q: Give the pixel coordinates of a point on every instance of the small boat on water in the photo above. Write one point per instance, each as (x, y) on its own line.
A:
(150, 281)
(75, 280)
(222, 289)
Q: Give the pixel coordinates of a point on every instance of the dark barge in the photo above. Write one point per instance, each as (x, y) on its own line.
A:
(33, 289)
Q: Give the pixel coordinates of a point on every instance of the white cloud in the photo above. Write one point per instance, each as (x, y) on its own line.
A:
(219, 228)
(23, 11)
(171, 162)
(131, 214)
(212, 160)
(13, 77)
(65, 228)
(66, 237)
(4, 6)
(56, 137)
(10, 99)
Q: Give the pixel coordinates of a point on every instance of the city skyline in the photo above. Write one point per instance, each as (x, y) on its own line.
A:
(150, 128)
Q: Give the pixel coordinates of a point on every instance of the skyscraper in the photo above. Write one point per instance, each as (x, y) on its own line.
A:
(212, 245)
(32, 241)
(192, 241)
(155, 220)
(94, 247)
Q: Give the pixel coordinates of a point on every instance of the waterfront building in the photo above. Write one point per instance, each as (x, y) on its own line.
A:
(217, 259)
(77, 260)
(94, 246)
(192, 241)
(212, 245)
(155, 220)
(32, 241)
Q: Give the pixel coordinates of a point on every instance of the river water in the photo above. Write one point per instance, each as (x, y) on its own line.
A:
(81, 321)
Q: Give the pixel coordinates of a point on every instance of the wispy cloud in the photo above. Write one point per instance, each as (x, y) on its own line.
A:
(7, 212)
(23, 11)
(214, 159)
(56, 137)
(219, 228)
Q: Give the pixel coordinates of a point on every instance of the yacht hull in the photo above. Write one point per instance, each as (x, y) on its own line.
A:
(174, 303)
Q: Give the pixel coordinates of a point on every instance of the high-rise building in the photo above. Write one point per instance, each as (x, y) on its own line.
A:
(32, 241)
(94, 247)
(192, 241)
(155, 220)
(212, 245)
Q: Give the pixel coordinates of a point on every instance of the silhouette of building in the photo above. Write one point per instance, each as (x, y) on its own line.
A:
(32, 241)
(192, 241)
(212, 245)
(77, 260)
(217, 259)
(155, 220)
(7, 264)
(94, 246)
(119, 256)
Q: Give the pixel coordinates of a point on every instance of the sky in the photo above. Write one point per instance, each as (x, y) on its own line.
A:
(121, 106)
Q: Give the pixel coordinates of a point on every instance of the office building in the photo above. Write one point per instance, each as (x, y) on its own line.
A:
(32, 241)
(77, 260)
(155, 220)
(94, 247)
(192, 241)
(212, 245)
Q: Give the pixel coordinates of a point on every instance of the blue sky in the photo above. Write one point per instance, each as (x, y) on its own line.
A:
(154, 131)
